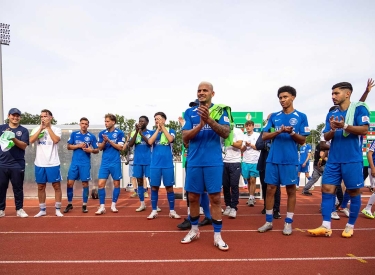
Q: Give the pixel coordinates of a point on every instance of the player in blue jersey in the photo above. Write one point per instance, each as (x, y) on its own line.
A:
(111, 142)
(345, 127)
(304, 161)
(162, 164)
(12, 162)
(83, 143)
(204, 161)
(142, 157)
(290, 128)
(371, 171)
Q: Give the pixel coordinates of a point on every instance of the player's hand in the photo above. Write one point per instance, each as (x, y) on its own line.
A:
(370, 85)
(203, 112)
(87, 150)
(181, 121)
(81, 145)
(288, 129)
(137, 127)
(319, 163)
(304, 165)
(243, 149)
(337, 123)
(105, 138)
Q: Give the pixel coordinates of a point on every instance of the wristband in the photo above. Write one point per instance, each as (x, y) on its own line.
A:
(321, 159)
(345, 126)
(292, 133)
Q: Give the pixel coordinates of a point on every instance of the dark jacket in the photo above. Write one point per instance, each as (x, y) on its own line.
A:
(264, 147)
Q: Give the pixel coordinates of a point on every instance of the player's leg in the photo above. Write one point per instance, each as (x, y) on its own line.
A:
(263, 184)
(17, 177)
(234, 175)
(41, 180)
(226, 188)
(85, 196)
(205, 204)
(367, 211)
(116, 174)
(73, 175)
(314, 178)
(54, 176)
(102, 179)
(4, 184)
(155, 182)
(141, 171)
(168, 181)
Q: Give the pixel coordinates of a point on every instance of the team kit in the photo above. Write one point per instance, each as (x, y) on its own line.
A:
(217, 155)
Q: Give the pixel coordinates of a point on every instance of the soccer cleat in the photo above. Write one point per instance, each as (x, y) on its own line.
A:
(100, 211)
(58, 213)
(68, 208)
(153, 215)
(41, 213)
(174, 215)
(335, 216)
(185, 224)
(226, 211)
(205, 221)
(134, 195)
(312, 188)
(320, 231)
(251, 202)
(158, 209)
(367, 213)
(344, 210)
(276, 215)
(21, 213)
(114, 209)
(219, 243)
(2, 213)
(232, 213)
(348, 232)
(141, 208)
(84, 209)
(297, 187)
(287, 229)
(306, 193)
(145, 194)
(267, 226)
(192, 235)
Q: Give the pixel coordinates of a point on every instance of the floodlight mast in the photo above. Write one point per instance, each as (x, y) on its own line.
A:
(4, 40)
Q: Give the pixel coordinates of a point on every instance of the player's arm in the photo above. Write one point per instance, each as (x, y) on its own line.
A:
(169, 137)
(324, 146)
(307, 159)
(76, 146)
(22, 144)
(370, 85)
(34, 137)
(188, 131)
(55, 138)
(222, 129)
(134, 137)
(238, 144)
(152, 139)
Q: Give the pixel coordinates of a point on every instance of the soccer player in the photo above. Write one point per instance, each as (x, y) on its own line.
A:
(47, 162)
(345, 127)
(12, 162)
(111, 142)
(371, 171)
(205, 163)
(162, 165)
(142, 157)
(290, 128)
(304, 161)
(232, 173)
(83, 143)
(250, 160)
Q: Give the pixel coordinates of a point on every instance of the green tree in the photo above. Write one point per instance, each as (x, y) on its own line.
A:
(314, 137)
(126, 125)
(29, 119)
(177, 144)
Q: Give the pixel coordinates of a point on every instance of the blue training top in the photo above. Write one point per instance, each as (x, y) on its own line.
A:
(80, 156)
(304, 150)
(162, 155)
(142, 151)
(110, 154)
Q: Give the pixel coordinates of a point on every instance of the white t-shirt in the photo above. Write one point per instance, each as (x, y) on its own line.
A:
(250, 155)
(46, 151)
(231, 154)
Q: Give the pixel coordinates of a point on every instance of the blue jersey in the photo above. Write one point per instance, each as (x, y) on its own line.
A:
(80, 156)
(284, 149)
(304, 150)
(110, 154)
(15, 157)
(142, 150)
(162, 156)
(346, 149)
(205, 147)
(372, 149)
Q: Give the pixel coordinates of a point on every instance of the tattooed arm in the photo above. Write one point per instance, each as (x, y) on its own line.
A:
(222, 130)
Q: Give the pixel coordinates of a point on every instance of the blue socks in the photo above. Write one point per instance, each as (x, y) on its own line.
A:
(69, 193)
(85, 194)
(328, 200)
(141, 193)
(217, 225)
(170, 197)
(355, 206)
(309, 178)
(194, 220)
(345, 201)
(116, 194)
(154, 199)
(205, 203)
(101, 193)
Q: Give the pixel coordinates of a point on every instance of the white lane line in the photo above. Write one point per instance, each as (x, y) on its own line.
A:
(186, 260)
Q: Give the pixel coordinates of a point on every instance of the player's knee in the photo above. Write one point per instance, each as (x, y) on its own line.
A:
(169, 189)
(353, 192)
(56, 186)
(193, 198)
(41, 187)
(215, 199)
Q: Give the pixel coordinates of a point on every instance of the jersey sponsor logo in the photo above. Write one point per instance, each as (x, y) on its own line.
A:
(87, 138)
(18, 133)
(307, 129)
(293, 121)
(365, 119)
(226, 119)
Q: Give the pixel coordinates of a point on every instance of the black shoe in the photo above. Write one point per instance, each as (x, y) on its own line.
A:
(185, 225)
(276, 215)
(84, 209)
(306, 193)
(264, 211)
(205, 221)
(68, 208)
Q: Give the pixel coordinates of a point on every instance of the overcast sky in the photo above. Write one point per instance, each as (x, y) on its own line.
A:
(88, 58)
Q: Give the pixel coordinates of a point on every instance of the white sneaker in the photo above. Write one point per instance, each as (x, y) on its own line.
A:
(141, 208)
(41, 213)
(251, 202)
(201, 212)
(153, 215)
(59, 214)
(232, 213)
(158, 209)
(219, 243)
(21, 213)
(2, 213)
(114, 209)
(345, 211)
(312, 188)
(192, 235)
(174, 215)
(226, 211)
(100, 211)
(335, 216)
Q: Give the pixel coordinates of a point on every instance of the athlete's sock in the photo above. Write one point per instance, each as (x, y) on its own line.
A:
(58, 205)
(345, 200)
(101, 193)
(154, 199)
(326, 206)
(85, 194)
(309, 178)
(170, 197)
(141, 193)
(269, 216)
(42, 206)
(116, 194)
(69, 193)
(289, 217)
(217, 225)
(251, 197)
(136, 190)
(205, 203)
(194, 222)
(355, 206)
(371, 201)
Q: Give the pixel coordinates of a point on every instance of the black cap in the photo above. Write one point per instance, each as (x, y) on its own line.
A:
(14, 111)
(194, 103)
